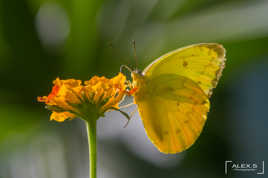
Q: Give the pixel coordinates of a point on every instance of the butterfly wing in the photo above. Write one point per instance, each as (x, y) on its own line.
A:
(173, 110)
(203, 63)
(173, 100)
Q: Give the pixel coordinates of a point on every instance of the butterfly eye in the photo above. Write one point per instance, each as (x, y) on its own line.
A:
(139, 72)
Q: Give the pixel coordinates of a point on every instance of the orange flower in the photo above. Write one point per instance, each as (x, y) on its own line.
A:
(70, 98)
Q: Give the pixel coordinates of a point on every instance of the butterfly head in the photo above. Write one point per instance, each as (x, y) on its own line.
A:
(137, 79)
(137, 75)
(138, 72)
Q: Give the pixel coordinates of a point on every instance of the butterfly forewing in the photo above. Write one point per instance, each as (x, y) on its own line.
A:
(203, 63)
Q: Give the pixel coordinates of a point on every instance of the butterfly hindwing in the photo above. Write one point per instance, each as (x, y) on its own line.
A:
(173, 115)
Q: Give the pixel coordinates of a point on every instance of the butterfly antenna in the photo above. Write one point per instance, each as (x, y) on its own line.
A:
(135, 52)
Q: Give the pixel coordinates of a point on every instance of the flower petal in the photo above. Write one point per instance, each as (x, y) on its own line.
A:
(61, 116)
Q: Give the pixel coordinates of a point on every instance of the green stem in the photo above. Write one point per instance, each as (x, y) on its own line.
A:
(92, 145)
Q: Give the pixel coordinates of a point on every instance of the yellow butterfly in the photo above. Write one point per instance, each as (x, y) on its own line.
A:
(173, 92)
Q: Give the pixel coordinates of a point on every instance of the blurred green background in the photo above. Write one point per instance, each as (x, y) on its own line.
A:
(44, 39)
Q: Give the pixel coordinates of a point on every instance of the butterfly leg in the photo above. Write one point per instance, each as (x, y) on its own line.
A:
(126, 106)
(124, 113)
(130, 116)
